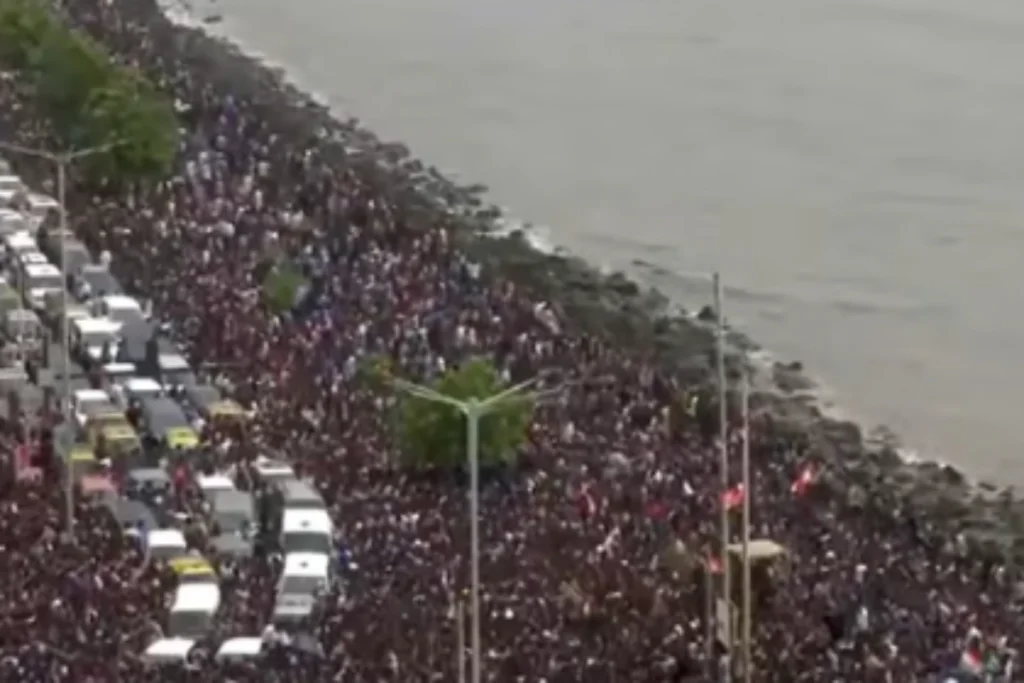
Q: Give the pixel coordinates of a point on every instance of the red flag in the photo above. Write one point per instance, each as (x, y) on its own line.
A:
(971, 661)
(803, 481)
(656, 510)
(585, 504)
(733, 498)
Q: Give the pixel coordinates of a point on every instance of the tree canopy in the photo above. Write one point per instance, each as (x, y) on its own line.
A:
(89, 99)
(434, 434)
(283, 287)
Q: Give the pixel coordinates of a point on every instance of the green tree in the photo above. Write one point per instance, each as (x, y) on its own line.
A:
(434, 434)
(68, 66)
(283, 287)
(376, 370)
(129, 112)
(23, 24)
(89, 99)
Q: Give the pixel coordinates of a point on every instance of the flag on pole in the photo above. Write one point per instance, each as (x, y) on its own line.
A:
(971, 661)
(803, 481)
(733, 497)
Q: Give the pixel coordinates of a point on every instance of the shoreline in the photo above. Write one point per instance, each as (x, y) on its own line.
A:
(615, 304)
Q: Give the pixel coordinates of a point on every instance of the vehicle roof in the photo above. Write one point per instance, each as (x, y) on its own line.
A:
(232, 500)
(148, 474)
(202, 394)
(141, 384)
(196, 597)
(122, 302)
(42, 199)
(215, 482)
(86, 325)
(137, 331)
(22, 314)
(162, 405)
(94, 483)
(21, 238)
(232, 544)
(41, 269)
(306, 564)
(192, 563)
(269, 466)
(91, 395)
(249, 646)
(166, 538)
(102, 410)
(172, 361)
(118, 431)
(300, 521)
(118, 368)
(96, 272)
(296, 490)
(177, 648)
(128, 511)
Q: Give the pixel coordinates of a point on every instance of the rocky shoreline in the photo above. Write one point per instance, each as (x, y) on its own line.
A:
(867, 473)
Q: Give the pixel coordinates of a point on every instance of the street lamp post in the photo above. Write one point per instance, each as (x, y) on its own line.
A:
(62, 160)
(726, 628)
(474, 409)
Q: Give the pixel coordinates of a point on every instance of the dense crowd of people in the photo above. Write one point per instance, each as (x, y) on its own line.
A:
(575, 582)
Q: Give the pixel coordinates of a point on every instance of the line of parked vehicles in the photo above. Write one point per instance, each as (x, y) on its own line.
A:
(263, 503)
(138, 415)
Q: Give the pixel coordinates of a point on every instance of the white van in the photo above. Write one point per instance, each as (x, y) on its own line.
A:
(40, 278)
(307, 531)
(304, 580)
(11, 221)
(210, 484)
(166, 544)
(20, 242)
(119, 307)
(236, 649)
(39, 205)
(194, 608)
(168, 650)
(11, 183)
(89, 335)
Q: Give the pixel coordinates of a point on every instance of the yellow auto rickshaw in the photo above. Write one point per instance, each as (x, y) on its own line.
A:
(118, 439)
(101, 420)
(225, 410)
(191, 569)
(181, 437)
(82, 460)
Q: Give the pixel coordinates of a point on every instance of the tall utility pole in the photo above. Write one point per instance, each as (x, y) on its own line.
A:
(460, 639)
(474, 409)
(62, 160)
(747, 626)
(723, 450)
